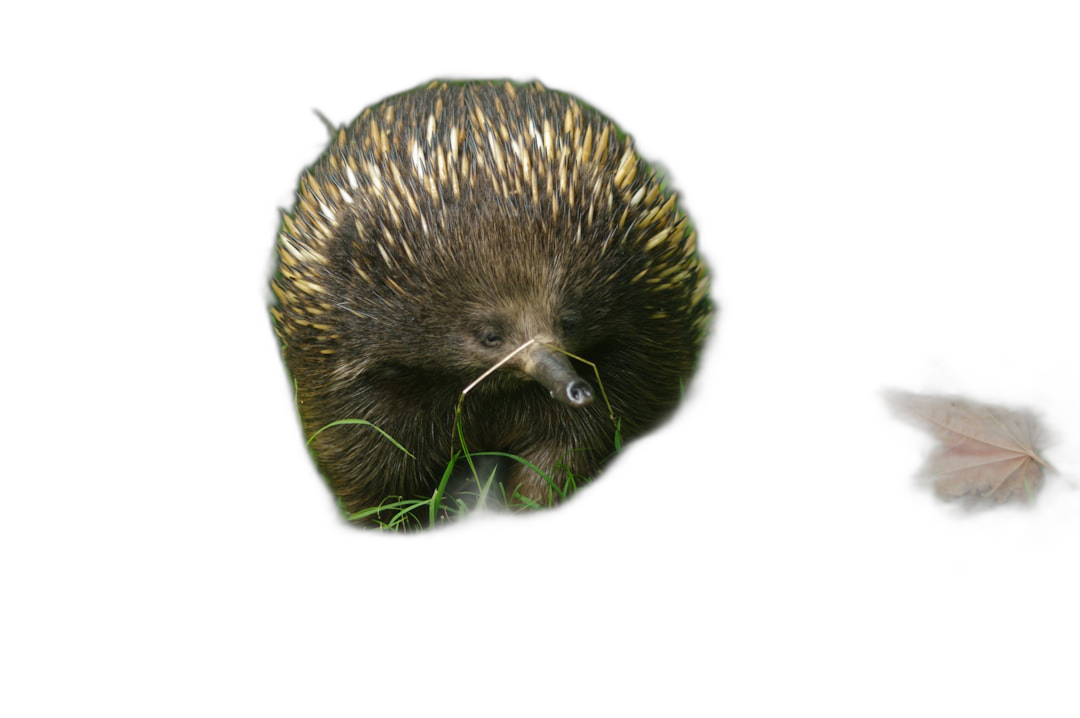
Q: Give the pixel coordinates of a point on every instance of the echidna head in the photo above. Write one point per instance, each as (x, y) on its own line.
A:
(493, 296)
(527, 342)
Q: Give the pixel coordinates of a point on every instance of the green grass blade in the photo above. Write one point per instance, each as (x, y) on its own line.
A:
(361, 422)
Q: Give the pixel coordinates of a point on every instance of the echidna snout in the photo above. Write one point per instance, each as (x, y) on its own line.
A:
(553, 371)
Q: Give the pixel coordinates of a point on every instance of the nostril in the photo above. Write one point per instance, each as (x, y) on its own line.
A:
(579, 393)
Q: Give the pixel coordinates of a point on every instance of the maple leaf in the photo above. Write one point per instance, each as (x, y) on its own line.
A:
(986, 451)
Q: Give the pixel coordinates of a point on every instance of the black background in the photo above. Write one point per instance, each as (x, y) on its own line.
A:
(874, 218)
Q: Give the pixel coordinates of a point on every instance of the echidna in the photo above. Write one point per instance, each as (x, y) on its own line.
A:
(444, 229)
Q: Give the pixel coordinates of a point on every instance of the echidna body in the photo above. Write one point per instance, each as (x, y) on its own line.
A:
(447, 227)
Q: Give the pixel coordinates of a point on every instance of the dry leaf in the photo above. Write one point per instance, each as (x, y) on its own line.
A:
(986, 451)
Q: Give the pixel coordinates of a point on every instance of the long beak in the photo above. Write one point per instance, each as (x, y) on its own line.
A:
(554, 372)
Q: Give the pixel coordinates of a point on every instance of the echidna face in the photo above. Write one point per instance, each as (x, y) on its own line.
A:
(526, 336)
(471, 231)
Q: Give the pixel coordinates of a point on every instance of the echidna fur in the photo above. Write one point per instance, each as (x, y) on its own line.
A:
(443, 229)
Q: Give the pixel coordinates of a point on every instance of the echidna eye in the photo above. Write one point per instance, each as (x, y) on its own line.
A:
(567, 324)
(490, 339)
